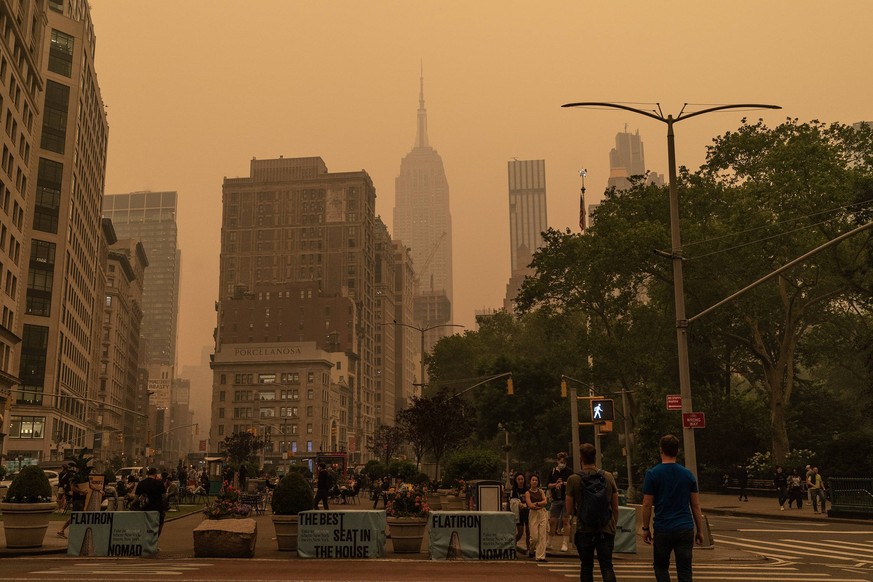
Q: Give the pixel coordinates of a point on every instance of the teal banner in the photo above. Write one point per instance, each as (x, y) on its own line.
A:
(113, 533)
(471, 535)
(625, 531)
(341, 534)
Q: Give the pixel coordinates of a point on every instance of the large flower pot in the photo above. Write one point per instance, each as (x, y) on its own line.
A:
(453, 503)
(434, 501)
(407, 534)
(25, 524)
(286, 532)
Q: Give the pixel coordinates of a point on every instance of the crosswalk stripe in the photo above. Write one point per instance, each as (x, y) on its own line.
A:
(865, 548)
(860, 545)
(756, 548)
(798, 547)
(128, 567)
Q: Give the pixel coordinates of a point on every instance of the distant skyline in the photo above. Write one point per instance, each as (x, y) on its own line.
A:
(194, 90)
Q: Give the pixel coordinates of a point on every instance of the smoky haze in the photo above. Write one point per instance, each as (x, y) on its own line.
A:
(195, 89)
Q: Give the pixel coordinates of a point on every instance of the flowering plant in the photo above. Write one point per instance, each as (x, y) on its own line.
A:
(227, 504)
(407, 503)
(30, 485)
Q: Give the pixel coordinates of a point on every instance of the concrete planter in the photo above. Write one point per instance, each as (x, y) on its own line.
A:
(25, 524)
(225, 538)
(407, 533)
(434, 501)
(286, 532)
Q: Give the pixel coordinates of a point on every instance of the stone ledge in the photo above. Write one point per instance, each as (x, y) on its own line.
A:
(225, 538)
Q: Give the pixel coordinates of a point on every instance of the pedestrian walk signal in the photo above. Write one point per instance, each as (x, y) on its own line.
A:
(602, 410)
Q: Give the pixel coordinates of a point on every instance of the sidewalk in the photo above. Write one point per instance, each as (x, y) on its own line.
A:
(177, 541)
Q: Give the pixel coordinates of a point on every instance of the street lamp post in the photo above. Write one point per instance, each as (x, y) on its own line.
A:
(422, 331)
(676, 255)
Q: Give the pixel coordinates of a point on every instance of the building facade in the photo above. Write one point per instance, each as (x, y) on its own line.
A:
(56, 406)
(119, 355)
(291, 222)
(528, 219)
(423, 223)
(21, 99)
(628, 159)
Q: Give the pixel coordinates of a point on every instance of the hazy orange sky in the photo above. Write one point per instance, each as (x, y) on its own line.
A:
(195, 88)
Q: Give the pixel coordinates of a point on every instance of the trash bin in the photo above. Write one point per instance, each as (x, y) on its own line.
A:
(484, 495)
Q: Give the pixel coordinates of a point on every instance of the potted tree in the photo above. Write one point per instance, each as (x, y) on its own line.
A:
(292, 495)
(27, 508)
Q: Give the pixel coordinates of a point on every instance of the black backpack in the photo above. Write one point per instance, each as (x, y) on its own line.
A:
(594, 510)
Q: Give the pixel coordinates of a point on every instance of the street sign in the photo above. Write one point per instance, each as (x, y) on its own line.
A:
(602, 410)
(693, 420)
(674, 402)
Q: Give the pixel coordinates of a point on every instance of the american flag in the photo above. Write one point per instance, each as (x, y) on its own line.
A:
(583, 223)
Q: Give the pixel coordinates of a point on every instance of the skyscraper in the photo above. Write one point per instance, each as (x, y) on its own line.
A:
(527, 220)
(150, 217)
(58, 406)
(423, 222)
(628, 159)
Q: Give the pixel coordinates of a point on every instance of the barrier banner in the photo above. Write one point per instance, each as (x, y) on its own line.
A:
(113, 533)
(341, 534)
(471, 535)
(626, 531)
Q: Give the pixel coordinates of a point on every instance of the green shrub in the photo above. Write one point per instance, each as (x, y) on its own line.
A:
(406, 470)
(292, 495)
(472, 464)
(374, 470)
(82, 462)
(30, 486)
(300, 470)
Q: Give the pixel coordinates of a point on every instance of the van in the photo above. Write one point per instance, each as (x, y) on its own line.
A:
(124, 472)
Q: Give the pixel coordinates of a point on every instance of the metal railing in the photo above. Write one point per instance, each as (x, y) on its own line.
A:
(851, 495)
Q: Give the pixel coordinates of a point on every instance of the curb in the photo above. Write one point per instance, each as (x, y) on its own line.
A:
(786, 517)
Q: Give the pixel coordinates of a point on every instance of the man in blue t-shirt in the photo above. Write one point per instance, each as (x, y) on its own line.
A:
(672, 490)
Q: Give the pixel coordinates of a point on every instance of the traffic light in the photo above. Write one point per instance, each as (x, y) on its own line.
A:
(509, 389)
(602, 410)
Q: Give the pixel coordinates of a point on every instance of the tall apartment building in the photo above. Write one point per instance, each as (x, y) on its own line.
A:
(292, 222)
(528, 219)
(407, 347)
(423, 222)
(628, 159)
(150, 217)
(21, 99)
(56, 408)
(120, 348)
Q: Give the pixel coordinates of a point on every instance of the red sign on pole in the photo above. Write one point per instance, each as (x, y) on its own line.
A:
(674, 402)
(693, 420)
(202, 446)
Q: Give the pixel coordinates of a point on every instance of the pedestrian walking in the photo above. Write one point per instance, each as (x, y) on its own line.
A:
(519, 507)
(743, 475)
(155, 490)
(780, 482)
(806, 479)
(817, 491)
(323, 486)
(558, 526)
(671, 490)
(592, 496)
(380, 491)
(795, 489)
(538, 519)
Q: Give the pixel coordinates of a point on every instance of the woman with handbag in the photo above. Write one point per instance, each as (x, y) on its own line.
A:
(538, 520)
(155, 490)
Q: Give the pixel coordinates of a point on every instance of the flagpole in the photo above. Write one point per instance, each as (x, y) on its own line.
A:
(582, 214)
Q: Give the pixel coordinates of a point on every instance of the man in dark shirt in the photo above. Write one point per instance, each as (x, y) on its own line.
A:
(557, 489)
(155, 490)
(323, 486)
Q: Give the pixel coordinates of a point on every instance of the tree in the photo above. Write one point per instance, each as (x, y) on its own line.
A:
(436, 425)
(242, 447)
(763, 197)
(386, 441)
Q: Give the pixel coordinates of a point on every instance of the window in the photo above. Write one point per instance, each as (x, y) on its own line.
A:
(54, 121)
(220, 413)
(221, 395)
(223, 380)
(26, 427)
(266, 396)
(309, 429)
(61, 53)
(310, 394)
(266, 378)
(310, 377)
(308, 411)
(220, 429)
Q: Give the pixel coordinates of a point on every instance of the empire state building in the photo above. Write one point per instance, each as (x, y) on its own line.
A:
(423, 223)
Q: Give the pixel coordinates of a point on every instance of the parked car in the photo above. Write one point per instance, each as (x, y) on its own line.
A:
(7, 481)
